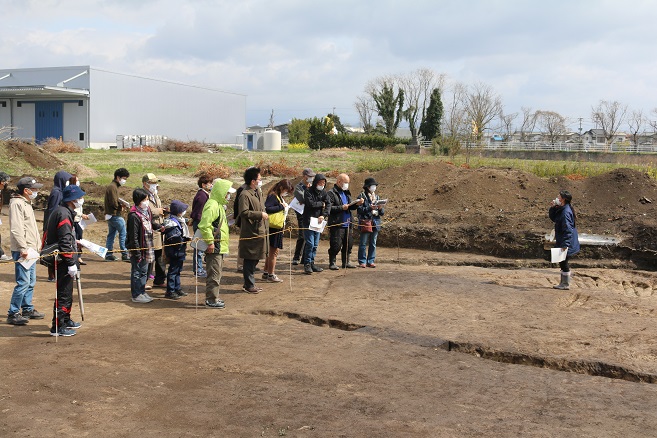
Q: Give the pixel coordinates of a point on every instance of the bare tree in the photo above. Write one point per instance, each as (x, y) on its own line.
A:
(635, 122)
(455, 122)
(528, 123)
(653, 123)
(610, 116)
(365, 107)
(506, 123)
(552, 124)
(418, 86)
(271, 119)
(482, 104)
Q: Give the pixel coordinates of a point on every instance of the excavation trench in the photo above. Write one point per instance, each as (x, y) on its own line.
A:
(592, 368)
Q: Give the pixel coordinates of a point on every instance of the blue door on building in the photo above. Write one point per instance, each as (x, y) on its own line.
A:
(48, 120)
(249, 142)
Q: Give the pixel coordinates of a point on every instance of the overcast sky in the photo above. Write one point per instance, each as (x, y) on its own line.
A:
(302, 58)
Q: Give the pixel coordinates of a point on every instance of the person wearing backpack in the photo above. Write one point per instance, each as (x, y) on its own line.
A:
(276, 208)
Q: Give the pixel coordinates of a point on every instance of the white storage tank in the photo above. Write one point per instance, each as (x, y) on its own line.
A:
(272, 140)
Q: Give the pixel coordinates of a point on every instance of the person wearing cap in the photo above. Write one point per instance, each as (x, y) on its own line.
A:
(23, 236)
(140, 243)
(113, 209)
(176, 236)
(158, 267)
(316, 205)
(339, 220)
(299, 190)
(60, 230)
(202, 195)
(254, 244)
(369, 211)
(4, 182)
(215, 233)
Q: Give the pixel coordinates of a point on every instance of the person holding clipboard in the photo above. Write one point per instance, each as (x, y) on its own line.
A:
(339, 221)
(369, 223)
(565, 232)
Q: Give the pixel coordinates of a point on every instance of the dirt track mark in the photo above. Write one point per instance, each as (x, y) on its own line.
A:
(592, 368)
(632, 286)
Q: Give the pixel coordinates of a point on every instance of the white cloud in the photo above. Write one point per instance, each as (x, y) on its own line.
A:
(303, 58)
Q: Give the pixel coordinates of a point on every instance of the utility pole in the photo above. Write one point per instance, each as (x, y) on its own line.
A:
(580, 126)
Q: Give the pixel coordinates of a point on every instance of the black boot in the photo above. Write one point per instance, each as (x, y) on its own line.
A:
(332, 265)
(307, 269)
(316, 268)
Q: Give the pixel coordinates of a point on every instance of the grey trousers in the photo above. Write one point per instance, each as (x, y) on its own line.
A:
(214, 263)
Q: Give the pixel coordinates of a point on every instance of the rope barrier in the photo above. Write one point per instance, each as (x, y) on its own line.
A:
(290, 229)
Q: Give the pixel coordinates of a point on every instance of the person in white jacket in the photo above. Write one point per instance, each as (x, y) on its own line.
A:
(24, 235)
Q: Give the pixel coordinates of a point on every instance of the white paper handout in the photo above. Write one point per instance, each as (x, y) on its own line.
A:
(558, 255)
(197, 242)
(381, 202)
(32, 257)
(100, 251)
(296, 206)
(108, 217)
(84, 223)
(315, 225)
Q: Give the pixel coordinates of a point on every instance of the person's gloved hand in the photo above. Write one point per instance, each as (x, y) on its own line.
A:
(375, 212)
(72, 271)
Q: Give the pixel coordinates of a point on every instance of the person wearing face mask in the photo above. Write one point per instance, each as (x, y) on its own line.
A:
(4, 181)
(157, 269)
(60, 230)
(276, 208)
(79, 215)
(140, 244)
(369, 211)
(60, 181)
(565, 232)
(113, 209)
(215, 233)
(306, 181)
(201, 197)
(339, 221)
(316, 204)
(23, 235)
(176, 236)
(254, 244)
(238, 222)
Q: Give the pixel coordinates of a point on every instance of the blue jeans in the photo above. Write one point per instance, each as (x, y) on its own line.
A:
(138, 275)
(310, 246)
(173, 274)
(24, 289)
(197, 258)
(367, 245)
(116, 224)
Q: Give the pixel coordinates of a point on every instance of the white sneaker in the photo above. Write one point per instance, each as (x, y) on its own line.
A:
(5, 258)
(150, 298)
(141, 299)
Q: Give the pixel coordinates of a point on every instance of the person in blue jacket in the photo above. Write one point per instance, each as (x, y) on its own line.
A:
(176, 236)
(565, 232)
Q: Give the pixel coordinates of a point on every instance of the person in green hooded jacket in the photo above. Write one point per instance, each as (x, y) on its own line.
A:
(214, 231)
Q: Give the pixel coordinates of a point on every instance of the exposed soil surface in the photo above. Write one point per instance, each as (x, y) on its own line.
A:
(457, 332)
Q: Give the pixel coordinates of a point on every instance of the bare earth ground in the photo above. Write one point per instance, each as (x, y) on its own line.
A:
(257, 369)
(466, 343)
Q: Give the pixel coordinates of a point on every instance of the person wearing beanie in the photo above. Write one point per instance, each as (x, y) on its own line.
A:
(176, 236)
(60, 230)
(369, 223)
(140, 244)
(59, 182)
(202, 195)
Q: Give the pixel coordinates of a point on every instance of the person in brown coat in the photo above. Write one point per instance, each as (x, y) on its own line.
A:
(254, 227)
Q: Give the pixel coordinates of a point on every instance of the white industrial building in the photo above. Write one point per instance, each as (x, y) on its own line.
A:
(92, 107)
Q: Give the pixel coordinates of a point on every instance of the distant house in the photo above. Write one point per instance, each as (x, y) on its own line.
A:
(597, 137)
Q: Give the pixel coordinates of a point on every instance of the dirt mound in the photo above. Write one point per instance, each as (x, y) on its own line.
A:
(503, 212)
(34, 155)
